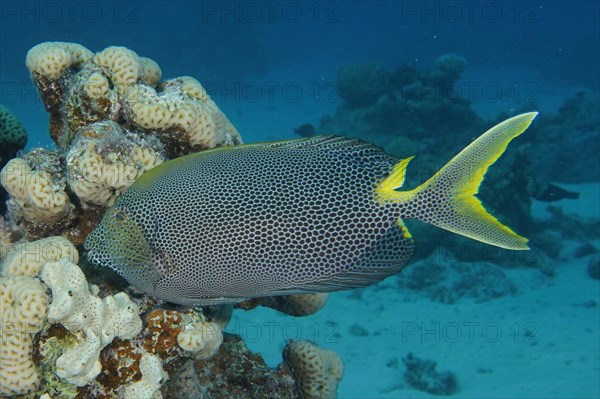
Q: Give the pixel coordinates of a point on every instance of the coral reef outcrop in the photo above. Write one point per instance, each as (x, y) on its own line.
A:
(60, 335)
(293, 305)
(79, 88)
(95, 321)
(380, 105)
(112, 119)
(448, 283)
(317, 370)
(70, 331)
(234, 372)
(566, 143)
(23, 305)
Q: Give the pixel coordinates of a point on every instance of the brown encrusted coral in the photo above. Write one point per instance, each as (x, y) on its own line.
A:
(120, 367)
(160, 336)
(49, 344)
(120, 363)
(52, 64)
(234, 372)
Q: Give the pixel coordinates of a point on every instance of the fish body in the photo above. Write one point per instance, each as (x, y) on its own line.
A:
(299, 216)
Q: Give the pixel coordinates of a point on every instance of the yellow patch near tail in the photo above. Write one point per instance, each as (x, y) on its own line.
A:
(405, 232)
(447, 199)
(395, 180)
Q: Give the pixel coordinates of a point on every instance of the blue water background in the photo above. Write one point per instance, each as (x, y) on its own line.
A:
(271, 65)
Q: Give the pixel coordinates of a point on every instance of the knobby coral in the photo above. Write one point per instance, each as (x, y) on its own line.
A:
(113, 119)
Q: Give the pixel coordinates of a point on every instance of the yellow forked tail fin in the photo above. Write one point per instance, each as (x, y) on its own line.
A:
(447, 199)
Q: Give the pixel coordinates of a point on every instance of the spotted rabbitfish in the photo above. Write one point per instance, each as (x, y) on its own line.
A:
(298, 216)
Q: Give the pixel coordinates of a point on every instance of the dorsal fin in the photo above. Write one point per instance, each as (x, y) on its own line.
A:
(316, 141)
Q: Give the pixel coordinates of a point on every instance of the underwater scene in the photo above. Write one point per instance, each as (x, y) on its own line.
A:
(299, 199)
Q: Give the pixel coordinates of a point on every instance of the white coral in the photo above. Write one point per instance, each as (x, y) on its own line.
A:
(52, 59)
(23, 303)
(153, 376)
(100, 320)
(80, 363)
(96, 86)
(28, 258)
(183, 106)
(102, 167)
(39, 197)
(203, 339)
(151, 71)
(122, 65)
